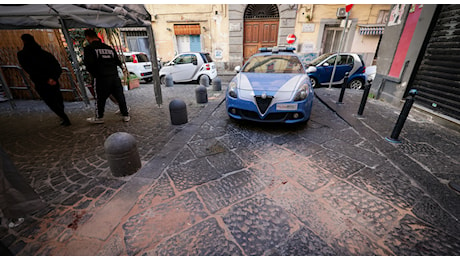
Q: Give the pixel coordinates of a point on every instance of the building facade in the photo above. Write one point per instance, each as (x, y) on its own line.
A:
(424, 58)
(233, 32)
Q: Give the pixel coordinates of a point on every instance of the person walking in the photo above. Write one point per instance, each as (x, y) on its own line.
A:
(44, 70)
(102, 61)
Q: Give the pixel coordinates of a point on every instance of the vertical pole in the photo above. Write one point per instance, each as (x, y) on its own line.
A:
(344, 85)
(74, 62)
(339, 50)
(364, 98)
(155, 70)
(402, 117)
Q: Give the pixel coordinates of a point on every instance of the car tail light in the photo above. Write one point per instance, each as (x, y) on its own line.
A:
(134, 58)
(208, 67)
(364, 69)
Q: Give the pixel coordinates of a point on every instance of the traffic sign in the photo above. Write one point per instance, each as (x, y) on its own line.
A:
(290, 39)
(348, 8)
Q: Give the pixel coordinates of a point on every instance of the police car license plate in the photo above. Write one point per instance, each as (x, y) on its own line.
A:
(283, 107)
(147, 66)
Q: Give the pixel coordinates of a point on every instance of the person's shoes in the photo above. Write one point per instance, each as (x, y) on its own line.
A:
(118, 111)
(95, 120)
(65, 123)
(15, 222)
(126, 118)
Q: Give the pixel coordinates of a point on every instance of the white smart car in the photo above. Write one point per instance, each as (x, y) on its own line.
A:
(189, 66)
(138, 63)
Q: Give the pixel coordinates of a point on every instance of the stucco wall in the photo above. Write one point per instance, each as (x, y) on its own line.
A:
(213, 20)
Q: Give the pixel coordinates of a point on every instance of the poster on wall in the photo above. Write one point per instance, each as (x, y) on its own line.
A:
(396, 14)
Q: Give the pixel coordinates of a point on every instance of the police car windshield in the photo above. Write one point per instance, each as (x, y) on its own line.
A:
(273, 64)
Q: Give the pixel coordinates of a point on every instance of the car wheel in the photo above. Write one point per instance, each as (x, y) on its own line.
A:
(163, 80)
(356, 84)
(148, 80)
(314, 82)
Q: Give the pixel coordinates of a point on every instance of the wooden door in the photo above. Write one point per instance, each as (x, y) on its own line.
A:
(258, 34)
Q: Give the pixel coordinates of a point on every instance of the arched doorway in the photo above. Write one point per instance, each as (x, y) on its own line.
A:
(261, 23)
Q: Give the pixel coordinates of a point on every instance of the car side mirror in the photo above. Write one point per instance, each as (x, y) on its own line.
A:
(238, 69)
(195, 62)
(311, 69)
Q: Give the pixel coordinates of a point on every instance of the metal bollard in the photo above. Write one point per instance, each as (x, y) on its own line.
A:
(204, 80)
(178, 112)
(367, 88)
(169, 80)
(344, 85)
(216, 84)
(402, 117)
(201, 95)
(122, 154)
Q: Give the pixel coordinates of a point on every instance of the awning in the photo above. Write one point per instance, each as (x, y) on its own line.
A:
(187, 29)
(376, 29)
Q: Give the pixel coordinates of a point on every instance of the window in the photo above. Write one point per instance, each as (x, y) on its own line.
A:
(185, 59)
(274, 64)
(331, 39)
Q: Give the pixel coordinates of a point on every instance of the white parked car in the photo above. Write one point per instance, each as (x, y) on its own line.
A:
(189, 66)
(138, 63)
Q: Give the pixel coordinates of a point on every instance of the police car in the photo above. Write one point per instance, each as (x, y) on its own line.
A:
(272, 86)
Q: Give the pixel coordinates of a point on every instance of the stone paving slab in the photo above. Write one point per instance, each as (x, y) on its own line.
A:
(257, 224)
(147, 228)
(414, 238)
(228, 190)
(206, 238)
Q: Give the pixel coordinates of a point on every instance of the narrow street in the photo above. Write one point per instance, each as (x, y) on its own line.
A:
(217, 187)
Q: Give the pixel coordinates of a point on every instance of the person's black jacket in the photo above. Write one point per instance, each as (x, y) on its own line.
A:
(101, 60)
(39, 64)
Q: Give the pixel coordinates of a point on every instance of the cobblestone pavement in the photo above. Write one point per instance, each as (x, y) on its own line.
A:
(217, 187)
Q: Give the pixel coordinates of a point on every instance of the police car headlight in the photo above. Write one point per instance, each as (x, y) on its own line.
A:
(302, 93)
(232, 89)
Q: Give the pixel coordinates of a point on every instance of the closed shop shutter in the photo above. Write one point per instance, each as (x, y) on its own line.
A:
(438, 76)
(187, 29)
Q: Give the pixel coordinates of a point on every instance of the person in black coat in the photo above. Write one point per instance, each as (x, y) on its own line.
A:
(102, 61)
(44, 70)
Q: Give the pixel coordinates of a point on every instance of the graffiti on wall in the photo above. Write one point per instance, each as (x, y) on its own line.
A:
(396, 14)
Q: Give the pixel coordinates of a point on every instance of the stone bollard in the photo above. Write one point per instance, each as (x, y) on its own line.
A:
(204, 81)
(178, 112)
(122, 154)
(169, 80)
(216, 84)
(201, 95)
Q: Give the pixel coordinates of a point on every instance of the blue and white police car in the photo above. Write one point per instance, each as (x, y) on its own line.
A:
(272, 86)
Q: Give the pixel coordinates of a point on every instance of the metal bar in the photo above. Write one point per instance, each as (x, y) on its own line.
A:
(74, 61)
(339, 50)
(156, 74)
(7, 90)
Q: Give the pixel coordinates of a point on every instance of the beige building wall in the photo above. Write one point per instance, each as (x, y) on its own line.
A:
(310, 33)
(213, 20)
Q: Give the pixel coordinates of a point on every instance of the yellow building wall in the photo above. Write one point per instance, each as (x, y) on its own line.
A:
(312, 14)
(213, 20)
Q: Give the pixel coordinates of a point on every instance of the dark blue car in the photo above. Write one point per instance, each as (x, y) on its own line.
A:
(320, 70)
(272, 86)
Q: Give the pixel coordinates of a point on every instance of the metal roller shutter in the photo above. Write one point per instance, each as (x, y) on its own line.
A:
(438, 77)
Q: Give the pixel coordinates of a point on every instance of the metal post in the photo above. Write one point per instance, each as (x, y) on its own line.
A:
(74, 62)
(155, 69)
(339, 50)
(344, 85)
(402, 117)
(367, 88)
